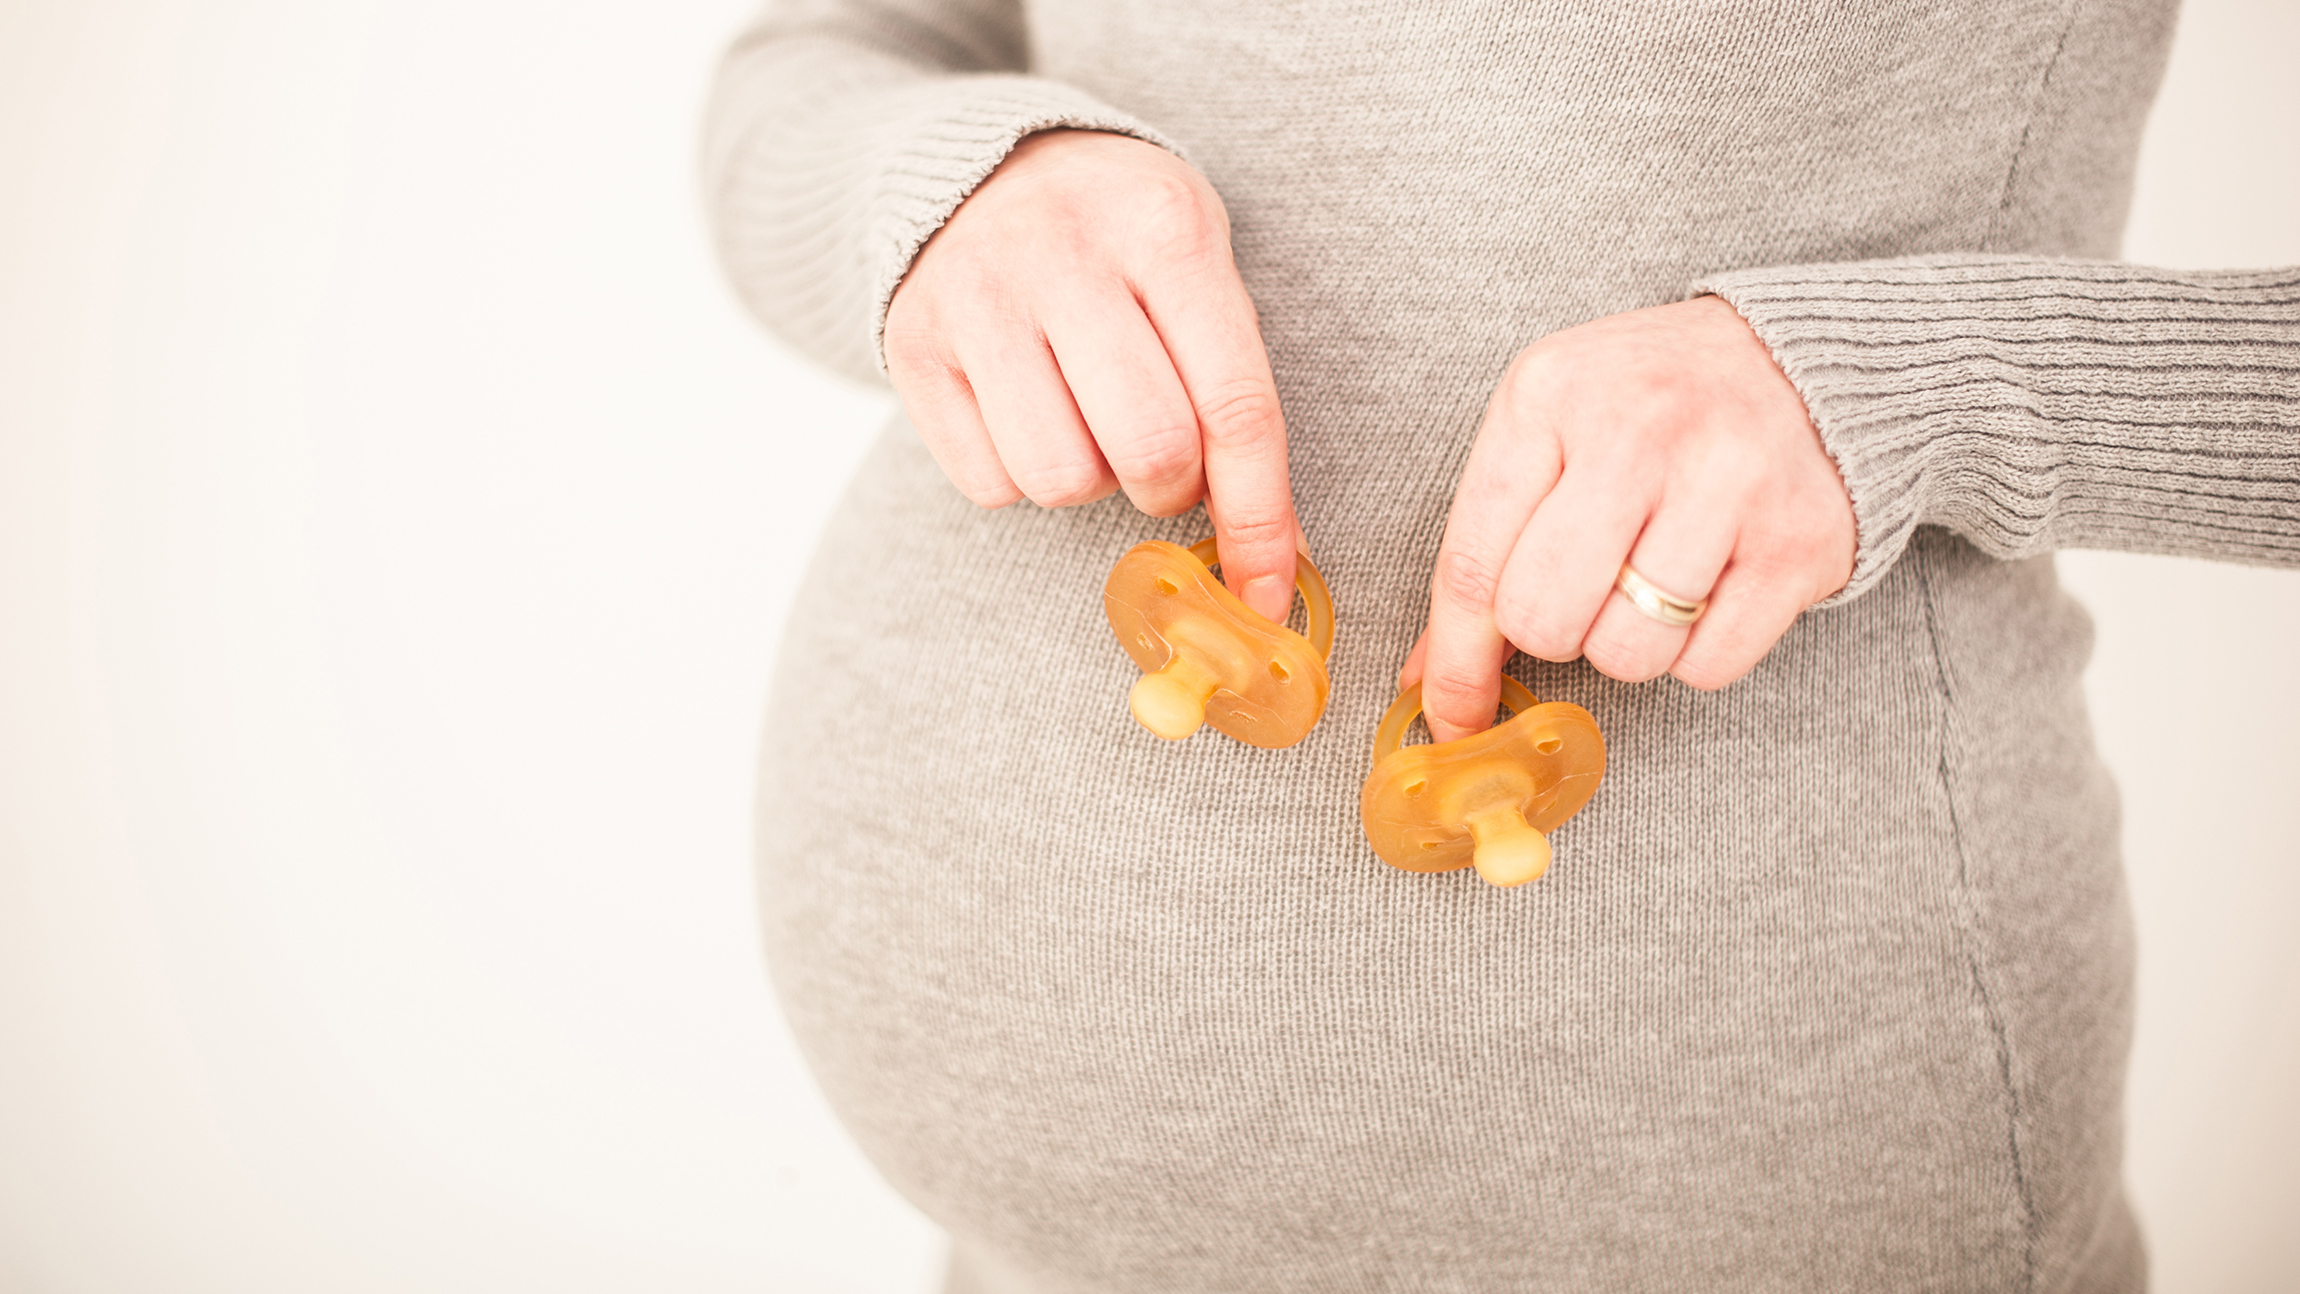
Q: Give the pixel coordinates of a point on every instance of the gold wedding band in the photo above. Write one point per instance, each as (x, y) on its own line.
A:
(1669, 609)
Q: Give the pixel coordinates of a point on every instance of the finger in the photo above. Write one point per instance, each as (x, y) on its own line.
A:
(1461, 682)
(1683, 548)
(1207, 325)
(1410, 673)
(1135, 409)
(1754, 603)
(940, 403)
(1512, 468)
(1041, 438)
(1565, 561)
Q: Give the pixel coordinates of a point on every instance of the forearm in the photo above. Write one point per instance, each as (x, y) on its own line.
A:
(2031, 404)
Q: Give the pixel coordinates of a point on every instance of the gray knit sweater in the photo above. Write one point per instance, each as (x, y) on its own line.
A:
(1829, 987)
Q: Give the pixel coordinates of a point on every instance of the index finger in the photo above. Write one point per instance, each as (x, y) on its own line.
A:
(1511, 469)
(1207, 324)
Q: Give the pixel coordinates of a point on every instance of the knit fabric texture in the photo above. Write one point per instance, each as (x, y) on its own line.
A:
(2033, 404)
(1829, 986)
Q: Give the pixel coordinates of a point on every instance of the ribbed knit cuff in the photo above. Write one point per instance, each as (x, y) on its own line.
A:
(960, 130)
(829, 165)
(2031, 404)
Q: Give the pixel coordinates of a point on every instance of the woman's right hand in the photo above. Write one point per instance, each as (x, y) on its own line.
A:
(1078, 326)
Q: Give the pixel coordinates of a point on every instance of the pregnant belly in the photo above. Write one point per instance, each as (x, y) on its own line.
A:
(1136, 1015)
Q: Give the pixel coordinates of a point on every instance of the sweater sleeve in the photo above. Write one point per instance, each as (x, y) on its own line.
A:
(2031, 404)
(842, 133)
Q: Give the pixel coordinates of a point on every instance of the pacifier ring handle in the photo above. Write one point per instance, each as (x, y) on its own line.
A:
(1316, 598)
(1408, 707)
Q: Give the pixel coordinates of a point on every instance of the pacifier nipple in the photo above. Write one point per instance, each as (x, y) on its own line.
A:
(1507, 851)
(1172, 701)
(1209, 659)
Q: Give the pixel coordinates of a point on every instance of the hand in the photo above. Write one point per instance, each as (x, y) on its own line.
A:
(1078, 327)
(1667, 438)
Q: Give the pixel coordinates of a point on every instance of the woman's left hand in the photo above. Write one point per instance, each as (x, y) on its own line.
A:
(1666, 438)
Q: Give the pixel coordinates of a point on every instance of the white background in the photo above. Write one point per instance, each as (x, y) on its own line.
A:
(395, 519)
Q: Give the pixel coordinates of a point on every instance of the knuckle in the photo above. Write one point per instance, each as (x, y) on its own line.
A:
(1547, 647)
(1704, 672)
(905, 365)
(1170, 502)
(1239, 413)
(1738, 470)
(1176, 215)
(914, 353)
(976, 474)
(1613, 655)
(1453, 680)
(1519, 619)
(991, 495)
(1062, 485)
(979, 478)
(1526, 368)
(1764, 561)
(1253, 531)
(1531, 373)
(1452, 692)
(984, 484)
(1156, 456)
(906, 340)
(1464, 580)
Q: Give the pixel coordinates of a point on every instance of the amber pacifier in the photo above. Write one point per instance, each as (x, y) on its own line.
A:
(1488, 800)
(1207, 657)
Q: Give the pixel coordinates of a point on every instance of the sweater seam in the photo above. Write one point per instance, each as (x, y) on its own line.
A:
(1968, 924)
(2028, 126)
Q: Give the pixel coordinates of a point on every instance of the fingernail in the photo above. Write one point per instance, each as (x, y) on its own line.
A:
(1266, 595)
